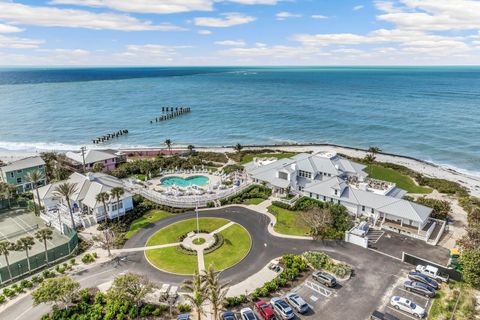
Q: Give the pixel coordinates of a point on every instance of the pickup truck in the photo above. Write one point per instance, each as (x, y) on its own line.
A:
(432, 272)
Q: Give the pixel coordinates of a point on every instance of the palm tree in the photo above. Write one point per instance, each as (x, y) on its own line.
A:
(374, 150)
(238, 147)
(44, 235)
(168, 143)
(103, 197)
(34, 177)
(116, 193)
(190, 148)
(25, 244)
(66, 190)
(216, 291)
(5, 248)
(369, 159)
(6, 192)
(196, 293)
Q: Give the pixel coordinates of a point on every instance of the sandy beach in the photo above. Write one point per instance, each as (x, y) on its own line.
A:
(472, 183)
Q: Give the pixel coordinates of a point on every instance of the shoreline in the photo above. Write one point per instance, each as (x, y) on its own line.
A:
(429, 169)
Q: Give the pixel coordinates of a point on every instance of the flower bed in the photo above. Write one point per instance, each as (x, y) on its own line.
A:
(319, 260)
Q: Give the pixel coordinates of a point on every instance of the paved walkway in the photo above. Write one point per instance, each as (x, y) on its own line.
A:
(222, 228)
(254, 281)
(160, 246)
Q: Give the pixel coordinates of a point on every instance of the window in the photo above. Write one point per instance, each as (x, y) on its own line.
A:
(114, 207)
(336, 192)
(120, 205)
(19, 180)
(331, 200)
(311, 195)
(305, 174)
(372, 211)
(19, 171)
(11, 174)
(283, 175)
(324, 198)
(338, 201)
(106, 161)
(363, 208)
(300, 188)
(318, 196)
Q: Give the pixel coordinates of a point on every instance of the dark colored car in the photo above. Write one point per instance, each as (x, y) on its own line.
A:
(324, 278)
(183, 316)
(265, 310)
(228, 315)
(417, 276)
(377, 315)
(419, 288)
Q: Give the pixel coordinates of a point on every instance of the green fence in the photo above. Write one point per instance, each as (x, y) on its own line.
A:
(37, 261)
(13, 203)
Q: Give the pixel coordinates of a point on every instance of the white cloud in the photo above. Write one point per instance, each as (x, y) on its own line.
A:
(285, 15)
(252, 2)
(276, 52)
(55, 17)
(230, 19)
(19, 43)
(319, 17)
(432, 15)
(359, 7)
(145, 6)
(233, 43)
(5, 28)
(204, 32)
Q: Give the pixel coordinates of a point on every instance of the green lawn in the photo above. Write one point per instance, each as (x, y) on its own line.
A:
(402, 181)
(446, 298)
(282, 155)
(253, 201)
(171, 233)
(149, 217)
(170, 260)
(237, 244)
(288, 222)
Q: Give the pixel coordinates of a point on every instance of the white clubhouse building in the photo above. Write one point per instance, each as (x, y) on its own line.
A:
(329, 177)
(86, 209)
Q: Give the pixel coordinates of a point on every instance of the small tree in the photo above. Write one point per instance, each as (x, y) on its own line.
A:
(168, 143)
(44, 235)
(106, 240)
(130, 287)
(319, 220)
(216, 291)
(98, 167)
(103, 197)
(196, 295)
(471, 267)
(374, 150)
(57, 290)
(5, 248)
(25, 244)
(67, 190)
(116, 193)
(34, 177)
(190, 148)
(238, 148)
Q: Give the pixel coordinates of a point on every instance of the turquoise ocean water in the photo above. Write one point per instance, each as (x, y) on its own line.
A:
(431, 113)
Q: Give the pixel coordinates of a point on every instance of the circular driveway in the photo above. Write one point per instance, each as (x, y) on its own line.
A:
(265, 247)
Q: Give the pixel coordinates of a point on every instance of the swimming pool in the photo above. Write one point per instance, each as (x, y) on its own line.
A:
(184, 182)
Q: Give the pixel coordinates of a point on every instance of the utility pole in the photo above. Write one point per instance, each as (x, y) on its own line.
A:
(83, 158)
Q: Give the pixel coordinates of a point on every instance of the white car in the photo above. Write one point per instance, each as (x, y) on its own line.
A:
(297, 302)
(408, 306)
(247, 314)
(282, 308)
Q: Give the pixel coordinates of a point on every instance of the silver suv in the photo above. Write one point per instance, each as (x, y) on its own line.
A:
(324, 278)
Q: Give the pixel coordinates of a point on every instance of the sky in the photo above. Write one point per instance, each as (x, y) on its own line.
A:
(239, 32)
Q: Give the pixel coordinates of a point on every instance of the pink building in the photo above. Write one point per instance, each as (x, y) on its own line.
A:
(109, 159)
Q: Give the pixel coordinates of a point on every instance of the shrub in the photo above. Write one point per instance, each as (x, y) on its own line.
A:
(282, 205)
(26, 284)
(17, 288)
(305, 203)
(94, 254)
(231, 302)
(48, 274)
(9, 292)
(341, 270)
(252, 191)
(2, 298)
(183, 307)
(87, 258)
(73, 262)
(147, 310)
(441, 208)
(37, 279)
(317, 259)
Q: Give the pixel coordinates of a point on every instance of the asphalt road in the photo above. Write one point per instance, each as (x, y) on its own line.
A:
(374, 271)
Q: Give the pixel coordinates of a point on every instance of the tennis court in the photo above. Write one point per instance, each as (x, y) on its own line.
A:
(18, 223)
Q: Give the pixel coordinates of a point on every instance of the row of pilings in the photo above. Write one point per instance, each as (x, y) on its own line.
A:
(169, 113)
(110, 136)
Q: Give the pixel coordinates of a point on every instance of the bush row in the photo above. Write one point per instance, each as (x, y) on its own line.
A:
(253, 191)
(319, 260)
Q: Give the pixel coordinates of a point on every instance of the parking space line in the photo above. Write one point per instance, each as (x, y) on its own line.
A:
(319, 289)
(402, 313)
(415, 294)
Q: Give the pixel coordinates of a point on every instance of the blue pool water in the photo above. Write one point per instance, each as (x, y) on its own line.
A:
(184, 182)
(432, 113)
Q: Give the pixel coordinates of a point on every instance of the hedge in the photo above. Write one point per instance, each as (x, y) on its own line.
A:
(253, 191)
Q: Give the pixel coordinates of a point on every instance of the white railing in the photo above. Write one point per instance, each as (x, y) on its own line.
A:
(185, 201)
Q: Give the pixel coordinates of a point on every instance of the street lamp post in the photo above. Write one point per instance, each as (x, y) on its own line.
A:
(83, 157)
